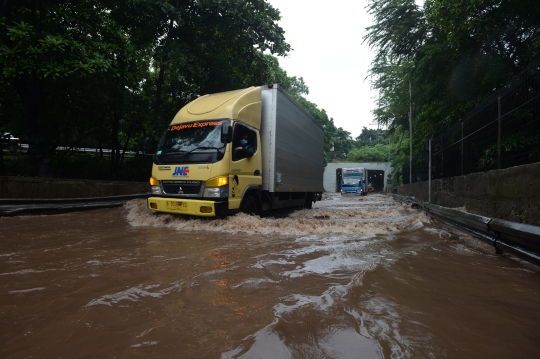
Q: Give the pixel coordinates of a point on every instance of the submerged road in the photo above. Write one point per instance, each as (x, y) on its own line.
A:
(364, 277)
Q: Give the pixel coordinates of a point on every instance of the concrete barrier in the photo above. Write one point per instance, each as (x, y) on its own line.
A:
(53, 188)
(512, 194)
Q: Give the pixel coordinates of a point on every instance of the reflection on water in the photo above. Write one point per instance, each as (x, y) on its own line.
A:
(352, 278)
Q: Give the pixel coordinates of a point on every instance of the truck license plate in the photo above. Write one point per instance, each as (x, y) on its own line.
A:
(177, 206)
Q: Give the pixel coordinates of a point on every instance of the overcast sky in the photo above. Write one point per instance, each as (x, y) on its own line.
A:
(326, 37)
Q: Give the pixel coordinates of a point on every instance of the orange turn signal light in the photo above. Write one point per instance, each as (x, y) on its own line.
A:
(206, 209)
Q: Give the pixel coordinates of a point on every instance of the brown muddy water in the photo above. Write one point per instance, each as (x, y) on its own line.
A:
(351, 278)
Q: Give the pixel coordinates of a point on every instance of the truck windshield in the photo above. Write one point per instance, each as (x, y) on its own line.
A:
(352, 181)
(195, 142)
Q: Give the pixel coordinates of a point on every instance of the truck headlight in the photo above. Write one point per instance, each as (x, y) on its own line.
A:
(217, 187)
(216, 192)
(154, 186)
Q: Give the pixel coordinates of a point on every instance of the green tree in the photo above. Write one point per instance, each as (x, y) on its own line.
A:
(370, 137)
(212, 46)
(445, 58)
(342, 143)
(112, 73)
(376, 153)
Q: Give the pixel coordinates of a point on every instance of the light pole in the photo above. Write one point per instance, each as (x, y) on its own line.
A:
(410, 133)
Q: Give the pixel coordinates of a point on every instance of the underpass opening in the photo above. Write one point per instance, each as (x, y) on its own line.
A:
(376, 179)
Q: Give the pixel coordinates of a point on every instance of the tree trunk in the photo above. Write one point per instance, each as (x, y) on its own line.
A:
(2, 157)
(31, 93)
(159, 85)
(115, 148)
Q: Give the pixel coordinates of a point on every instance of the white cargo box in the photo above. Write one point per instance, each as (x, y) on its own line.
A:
(292, 143)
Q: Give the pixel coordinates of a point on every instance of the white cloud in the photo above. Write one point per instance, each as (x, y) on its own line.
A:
(328, 53)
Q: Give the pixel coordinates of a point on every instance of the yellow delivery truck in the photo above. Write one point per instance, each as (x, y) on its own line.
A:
(251, 150)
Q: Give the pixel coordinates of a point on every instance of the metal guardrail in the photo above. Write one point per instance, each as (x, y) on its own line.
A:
(15, 207)
(522, 240)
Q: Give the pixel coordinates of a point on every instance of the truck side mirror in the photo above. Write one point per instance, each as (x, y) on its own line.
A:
(226, 133)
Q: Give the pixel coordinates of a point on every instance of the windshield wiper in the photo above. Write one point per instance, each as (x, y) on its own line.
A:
(204, 148)
(185, 153)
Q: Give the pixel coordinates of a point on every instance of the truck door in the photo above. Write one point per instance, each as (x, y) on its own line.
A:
(246, 163)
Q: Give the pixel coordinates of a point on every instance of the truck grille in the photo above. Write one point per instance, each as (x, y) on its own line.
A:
(181, 187)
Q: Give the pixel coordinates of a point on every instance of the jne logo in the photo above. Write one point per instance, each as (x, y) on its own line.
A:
(181, 171)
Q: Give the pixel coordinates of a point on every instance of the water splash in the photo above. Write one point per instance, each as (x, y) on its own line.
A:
(379, 215)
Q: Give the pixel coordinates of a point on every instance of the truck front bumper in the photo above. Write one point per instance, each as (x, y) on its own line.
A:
(351, 194)
(188, 207)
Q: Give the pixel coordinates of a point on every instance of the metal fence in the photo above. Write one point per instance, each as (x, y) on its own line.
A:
(501, 132)
(82, 163)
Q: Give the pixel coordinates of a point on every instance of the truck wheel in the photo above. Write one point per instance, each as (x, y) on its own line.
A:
(249, 206)
(308, 204)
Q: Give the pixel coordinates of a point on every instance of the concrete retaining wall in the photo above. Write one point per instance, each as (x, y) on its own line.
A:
(29, 187)
(512, 194)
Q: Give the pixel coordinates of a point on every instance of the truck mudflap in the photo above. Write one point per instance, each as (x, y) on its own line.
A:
(189, 207)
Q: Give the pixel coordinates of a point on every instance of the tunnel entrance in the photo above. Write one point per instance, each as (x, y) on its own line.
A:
(376, 178)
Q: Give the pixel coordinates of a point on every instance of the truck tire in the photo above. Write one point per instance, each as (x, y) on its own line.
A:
(308, 204)
(250, 206)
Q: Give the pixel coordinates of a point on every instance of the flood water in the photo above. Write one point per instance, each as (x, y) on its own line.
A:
(351, 278)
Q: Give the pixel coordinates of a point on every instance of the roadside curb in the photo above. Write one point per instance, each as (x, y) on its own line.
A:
(15, 207)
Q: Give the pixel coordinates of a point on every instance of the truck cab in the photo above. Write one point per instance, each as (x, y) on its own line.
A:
(197, 169)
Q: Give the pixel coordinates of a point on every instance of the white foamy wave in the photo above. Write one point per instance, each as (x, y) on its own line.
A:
(144, 344)
(22, 272)
(440, 232)
(253, 283)
(265, 263)
(25, 290)
(133, 294)
(372, 217)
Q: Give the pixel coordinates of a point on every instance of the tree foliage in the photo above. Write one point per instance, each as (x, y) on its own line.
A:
(446, 57)
(109, 74)
(376, 153)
